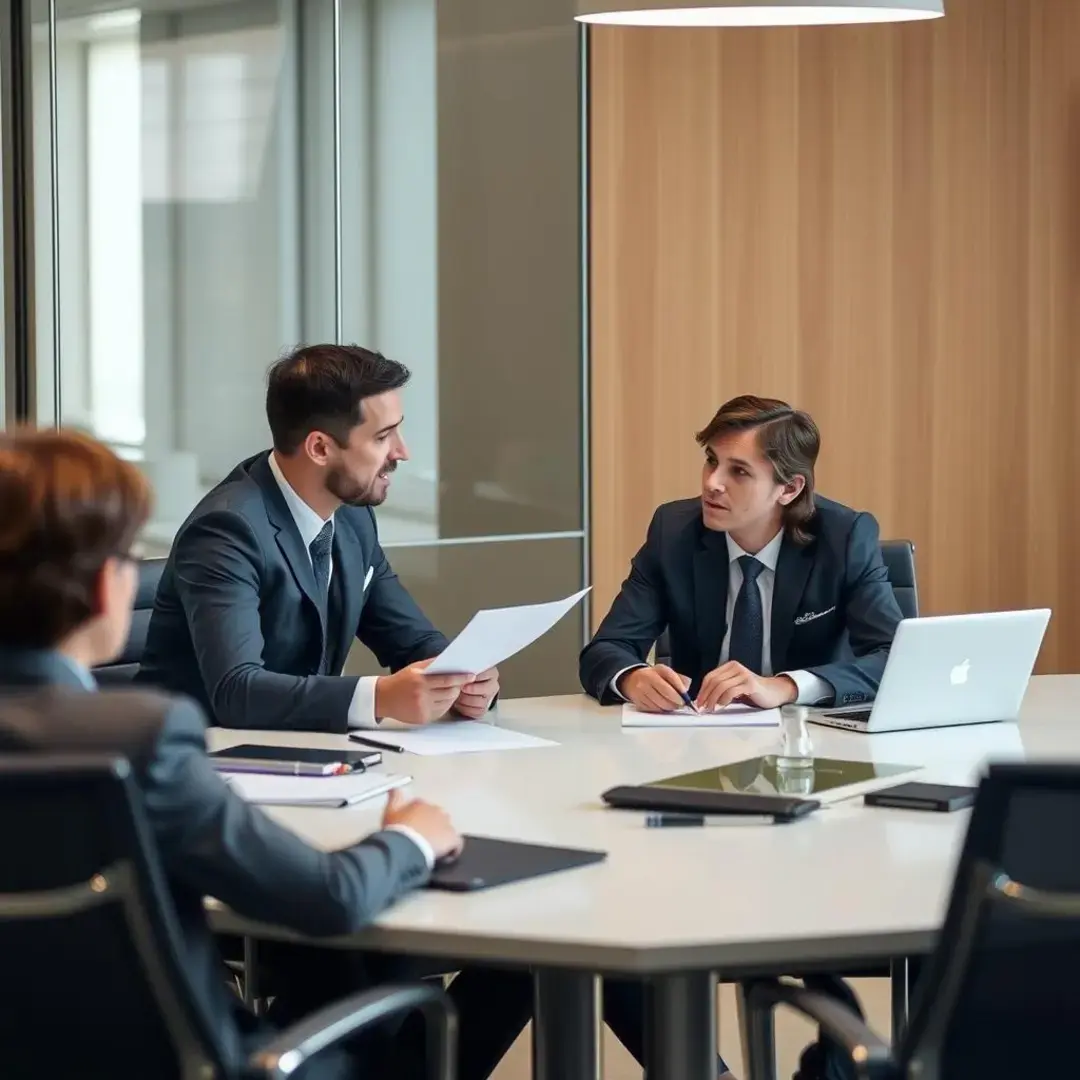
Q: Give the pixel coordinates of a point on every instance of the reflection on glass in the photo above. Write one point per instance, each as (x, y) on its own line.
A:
(179, 211)
(215, 209)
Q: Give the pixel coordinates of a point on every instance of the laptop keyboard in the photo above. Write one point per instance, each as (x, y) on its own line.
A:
(856, 714)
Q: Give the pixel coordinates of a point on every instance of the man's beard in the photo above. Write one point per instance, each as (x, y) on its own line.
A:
(351, 493)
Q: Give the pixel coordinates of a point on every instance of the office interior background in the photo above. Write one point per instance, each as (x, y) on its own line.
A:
(582, 241)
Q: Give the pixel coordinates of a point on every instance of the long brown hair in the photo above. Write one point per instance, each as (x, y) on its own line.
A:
(788, 437)
(67, 505)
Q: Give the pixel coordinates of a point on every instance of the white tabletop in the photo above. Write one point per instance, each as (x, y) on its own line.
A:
(846, 883)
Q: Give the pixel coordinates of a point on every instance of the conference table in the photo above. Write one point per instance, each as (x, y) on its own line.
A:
(846, 886)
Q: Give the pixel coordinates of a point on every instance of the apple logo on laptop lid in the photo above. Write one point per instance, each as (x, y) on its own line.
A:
(959, 674)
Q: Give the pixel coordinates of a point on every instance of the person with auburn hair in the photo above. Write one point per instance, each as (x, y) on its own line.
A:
(758, 582)
(72, 511)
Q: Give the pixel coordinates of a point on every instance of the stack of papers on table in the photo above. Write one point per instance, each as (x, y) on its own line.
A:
(725, 716)
(332, 792)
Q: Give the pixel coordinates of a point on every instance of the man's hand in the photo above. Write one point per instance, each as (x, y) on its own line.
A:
(476, 697)
(654, 689)
(732, 682)
(415, 698)
(431, 822)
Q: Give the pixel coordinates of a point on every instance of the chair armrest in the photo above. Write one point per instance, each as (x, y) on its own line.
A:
(328, 1027)
(870, 1054)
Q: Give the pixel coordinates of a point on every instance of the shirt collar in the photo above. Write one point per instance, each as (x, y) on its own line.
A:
(768, 555)
(308, 523)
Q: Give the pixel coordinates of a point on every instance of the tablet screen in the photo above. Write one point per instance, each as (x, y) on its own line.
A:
(770, 775)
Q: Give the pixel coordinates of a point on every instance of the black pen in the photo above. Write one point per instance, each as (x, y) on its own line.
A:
(689, 702)
(377, 745)
(671, 821)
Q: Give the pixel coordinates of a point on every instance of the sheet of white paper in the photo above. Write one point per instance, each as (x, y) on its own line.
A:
(461, 737)
(728, 716)
(494, 635)
(268, 789)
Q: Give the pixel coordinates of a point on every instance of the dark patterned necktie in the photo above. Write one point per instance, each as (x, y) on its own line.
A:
(747, 620)
(320, 549)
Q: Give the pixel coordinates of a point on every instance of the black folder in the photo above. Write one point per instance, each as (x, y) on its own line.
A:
(485, 863)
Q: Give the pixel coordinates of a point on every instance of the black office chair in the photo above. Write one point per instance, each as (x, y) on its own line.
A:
(899, 559)
(92, 983)
(123, 668)
(1000, 996)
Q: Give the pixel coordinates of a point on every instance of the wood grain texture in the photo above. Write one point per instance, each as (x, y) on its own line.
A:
(880, 224)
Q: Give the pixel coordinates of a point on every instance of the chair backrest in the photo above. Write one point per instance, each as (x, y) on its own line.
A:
(1000, 996)
(91, 982)
(124, 667)
(899, 559)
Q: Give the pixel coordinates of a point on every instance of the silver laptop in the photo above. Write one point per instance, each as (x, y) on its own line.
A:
(948, 670)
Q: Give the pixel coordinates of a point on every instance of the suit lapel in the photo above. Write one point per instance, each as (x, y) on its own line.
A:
(710, 597)
(792, 571)
(349, 573)
(288, 536)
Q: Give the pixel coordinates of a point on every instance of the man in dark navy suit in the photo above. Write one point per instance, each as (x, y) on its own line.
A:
(770, 595)
(279, 569)
(758, 582)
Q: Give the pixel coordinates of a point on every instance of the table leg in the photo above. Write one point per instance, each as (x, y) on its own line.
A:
(758, 1037)
(566, 1026)
(900, 985)
(680, 1027)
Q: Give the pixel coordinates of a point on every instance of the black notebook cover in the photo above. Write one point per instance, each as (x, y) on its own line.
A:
(485, 863)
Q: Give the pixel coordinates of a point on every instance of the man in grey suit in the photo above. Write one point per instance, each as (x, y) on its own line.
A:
(72, 511)
(279, 569)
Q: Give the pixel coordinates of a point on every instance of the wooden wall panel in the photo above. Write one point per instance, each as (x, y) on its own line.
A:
(880, 224)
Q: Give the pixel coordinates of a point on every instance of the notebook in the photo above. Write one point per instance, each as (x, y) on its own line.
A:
(485, 862)
(328, 792)
(292, 760)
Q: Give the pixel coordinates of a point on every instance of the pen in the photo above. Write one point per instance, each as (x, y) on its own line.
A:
(689, 702)
(378, 745)
(670, 821)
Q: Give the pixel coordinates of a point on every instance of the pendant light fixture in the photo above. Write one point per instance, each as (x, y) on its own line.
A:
(755, 12)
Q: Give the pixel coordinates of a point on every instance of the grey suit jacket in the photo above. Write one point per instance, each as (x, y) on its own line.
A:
(210, 841)
(237, 624)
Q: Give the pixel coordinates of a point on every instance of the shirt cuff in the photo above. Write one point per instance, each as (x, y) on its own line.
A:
(362, 706)
(425, 848)
(614, 684)
(811, 689)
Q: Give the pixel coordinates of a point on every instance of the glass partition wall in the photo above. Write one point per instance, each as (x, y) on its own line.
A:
(216, 181)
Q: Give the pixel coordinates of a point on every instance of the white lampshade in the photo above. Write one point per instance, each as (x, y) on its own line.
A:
(754, 12)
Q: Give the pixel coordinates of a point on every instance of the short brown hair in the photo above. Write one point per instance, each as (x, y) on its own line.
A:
(69, 504)
(788, 437)
(322, 388)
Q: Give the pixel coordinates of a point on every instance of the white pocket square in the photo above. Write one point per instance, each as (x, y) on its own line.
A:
(368, 576)
(810, 616)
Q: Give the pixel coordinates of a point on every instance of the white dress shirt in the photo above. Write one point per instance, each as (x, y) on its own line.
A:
(362, 707)
(812, 689)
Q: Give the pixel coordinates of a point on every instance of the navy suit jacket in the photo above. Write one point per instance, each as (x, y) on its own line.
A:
(831, 597)
(237, 623)
(210, 841)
